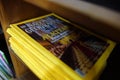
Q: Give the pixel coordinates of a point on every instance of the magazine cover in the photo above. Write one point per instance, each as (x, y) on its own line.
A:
(78, 48)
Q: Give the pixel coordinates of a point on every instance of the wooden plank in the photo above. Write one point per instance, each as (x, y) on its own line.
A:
(27, 75)
(96, 18)
(18, 66)
(12, 11)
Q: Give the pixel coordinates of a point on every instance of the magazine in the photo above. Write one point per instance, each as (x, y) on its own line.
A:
(57, 35)
(77, 47)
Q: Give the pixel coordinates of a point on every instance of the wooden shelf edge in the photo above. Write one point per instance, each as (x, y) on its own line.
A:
(99, 19)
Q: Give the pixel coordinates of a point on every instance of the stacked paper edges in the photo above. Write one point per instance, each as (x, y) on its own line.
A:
(56, 49)
(6, 72)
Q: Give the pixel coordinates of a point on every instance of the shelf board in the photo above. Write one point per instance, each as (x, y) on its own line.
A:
(27, 76)
(12, 11)
(96, 18)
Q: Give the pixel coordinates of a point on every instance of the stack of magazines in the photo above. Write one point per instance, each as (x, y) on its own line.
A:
(56, 49)
(5, 70)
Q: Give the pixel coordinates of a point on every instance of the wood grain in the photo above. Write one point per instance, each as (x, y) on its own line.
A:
(12, 11)
(98, 19)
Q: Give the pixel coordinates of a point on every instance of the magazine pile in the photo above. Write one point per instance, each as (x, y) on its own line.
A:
(56, 49)
(5, 70)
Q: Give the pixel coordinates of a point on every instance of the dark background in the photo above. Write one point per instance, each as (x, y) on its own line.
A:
(112, 69)
(111, 4)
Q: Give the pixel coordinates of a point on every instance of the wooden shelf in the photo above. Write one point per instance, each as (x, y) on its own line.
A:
(96, 18)
(12, 11)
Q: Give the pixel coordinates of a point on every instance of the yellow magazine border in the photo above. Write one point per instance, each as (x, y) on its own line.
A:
(98, 64)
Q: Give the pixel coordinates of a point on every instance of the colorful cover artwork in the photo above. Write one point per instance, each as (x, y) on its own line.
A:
(77, 48)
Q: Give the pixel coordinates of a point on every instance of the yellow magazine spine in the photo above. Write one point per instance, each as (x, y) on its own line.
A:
(26, 58)
(71, 73)
(34, 63)
(59, 73)
(50, 56)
